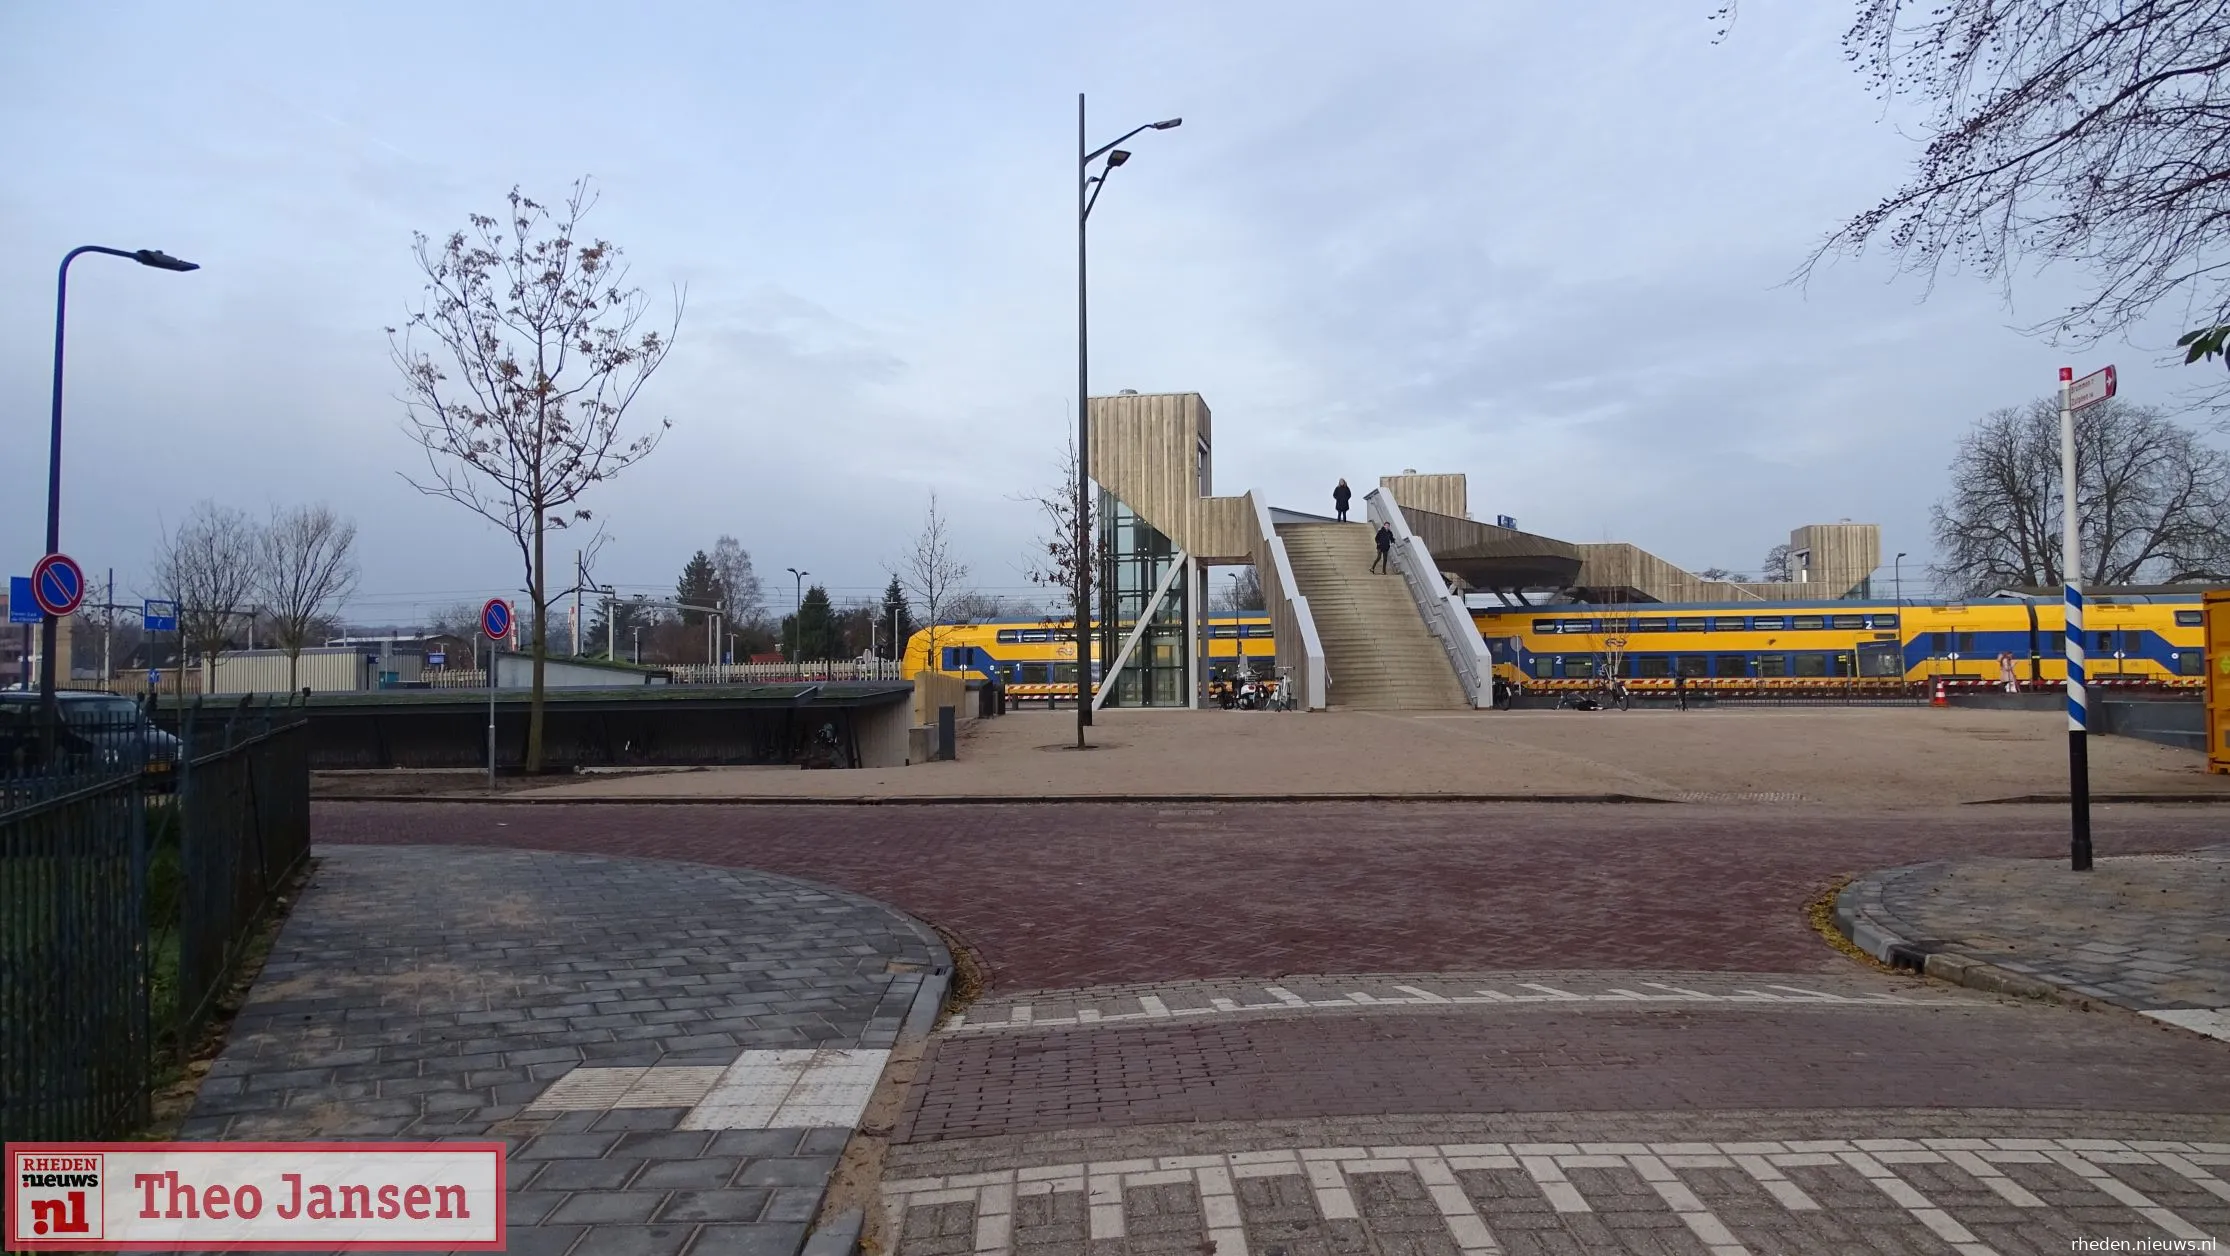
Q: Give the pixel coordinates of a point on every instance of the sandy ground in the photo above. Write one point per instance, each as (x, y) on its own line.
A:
(1860, 756)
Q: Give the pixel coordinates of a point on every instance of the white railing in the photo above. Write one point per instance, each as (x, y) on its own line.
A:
(775, 673)
(1444, 612)
(713, 673)
(1300, 650)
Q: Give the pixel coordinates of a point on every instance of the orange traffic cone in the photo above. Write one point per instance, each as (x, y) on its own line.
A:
(1938, 700)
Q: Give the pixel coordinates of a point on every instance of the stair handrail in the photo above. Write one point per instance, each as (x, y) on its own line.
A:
(1444, 612)
(1290, 618)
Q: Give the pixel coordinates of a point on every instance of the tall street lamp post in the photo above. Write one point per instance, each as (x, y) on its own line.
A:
(1088, 188)
(145, 257)
(797, 616)
(1897, 575)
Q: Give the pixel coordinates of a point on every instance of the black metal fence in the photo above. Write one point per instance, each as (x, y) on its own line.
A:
(134, 865)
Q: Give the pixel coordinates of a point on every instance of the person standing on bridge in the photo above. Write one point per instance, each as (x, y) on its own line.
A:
(1385, 540)
(1341, 494)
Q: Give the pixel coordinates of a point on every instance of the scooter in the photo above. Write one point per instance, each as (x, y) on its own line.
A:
(1252, 697)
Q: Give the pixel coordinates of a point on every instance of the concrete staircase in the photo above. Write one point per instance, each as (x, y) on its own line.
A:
(1377, 650)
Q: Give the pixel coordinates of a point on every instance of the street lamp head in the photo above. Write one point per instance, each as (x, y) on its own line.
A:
(162, 261)
(1900, 554)
(1169, 124)
(1117, 158)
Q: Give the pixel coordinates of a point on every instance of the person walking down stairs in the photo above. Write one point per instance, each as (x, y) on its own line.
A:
(1340, 497)
(1385, 540)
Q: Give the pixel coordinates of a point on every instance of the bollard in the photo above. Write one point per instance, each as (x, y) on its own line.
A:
(948, 737)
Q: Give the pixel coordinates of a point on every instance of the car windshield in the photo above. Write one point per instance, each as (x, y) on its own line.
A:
(98, 713)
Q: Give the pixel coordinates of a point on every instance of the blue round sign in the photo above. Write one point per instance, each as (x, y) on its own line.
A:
(495, 619)
(57, 584)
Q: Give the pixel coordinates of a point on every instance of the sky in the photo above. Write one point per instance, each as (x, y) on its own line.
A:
(1548, 246)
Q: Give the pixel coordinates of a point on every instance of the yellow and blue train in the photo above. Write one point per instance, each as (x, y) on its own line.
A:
(2130, 639)
(2148, 639)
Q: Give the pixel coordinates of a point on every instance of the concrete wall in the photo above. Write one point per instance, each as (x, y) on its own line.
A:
(1843, 556)
(516, 671)
(940, 689)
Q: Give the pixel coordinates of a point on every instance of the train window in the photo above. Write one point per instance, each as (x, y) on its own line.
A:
(1802, 622)
(1542, 665)
(1730, 665)
(1577, 625)
(1617, 625)
(1256, 631)
(1692, 624)
(2189, 619)
(1008, 636)
(1768, 623)
(2191, 663)
(1773, 664)
(1692, 665)
(1037, 673)
(2055, 642)
(1812, 664)
(1884, 621)
(1847, 621)
(1544, 625)
(1652, 625)
(1939, 643)
(2106, 640)
(1653, 667)
(1727, 623)
(1963, 642)
(1579, 666)
(1224, 632)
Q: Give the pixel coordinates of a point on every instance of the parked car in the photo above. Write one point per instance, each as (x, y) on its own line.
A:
(100, 731)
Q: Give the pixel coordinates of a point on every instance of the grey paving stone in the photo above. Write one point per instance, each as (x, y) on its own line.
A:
(637, 1240)
(763, 1239)
(793, 1203)
(607, 1207)
(787, 1171)
(544, 1240)
(587, 1175)
(670, 1145)
(714, 1205)
(756, 1143)
(701, 1173)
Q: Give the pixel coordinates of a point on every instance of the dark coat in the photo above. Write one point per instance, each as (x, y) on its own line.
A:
(1340, 495)
(1385, 538)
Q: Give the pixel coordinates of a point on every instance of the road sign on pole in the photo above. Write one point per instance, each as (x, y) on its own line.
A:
(2076, 394)
(22, 607)
(157, 616)
(57, 584)
(495, 619)
(2089, 390)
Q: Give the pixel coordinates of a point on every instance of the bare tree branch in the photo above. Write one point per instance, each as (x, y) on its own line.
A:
(208, 567)
(931, 575)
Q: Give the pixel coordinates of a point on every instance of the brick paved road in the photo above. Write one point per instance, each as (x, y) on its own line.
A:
(1061, 896)
(1176, 904)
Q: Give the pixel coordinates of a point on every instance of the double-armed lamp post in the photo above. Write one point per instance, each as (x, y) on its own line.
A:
(1088, 186)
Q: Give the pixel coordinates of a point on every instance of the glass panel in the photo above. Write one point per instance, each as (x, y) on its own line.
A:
(1693, 665)
(1805, 623)
(1847, 621)
(1580, 666)
(1694, 623)
(1578, 625)
(1729, 665)
(1654, 667)
(1885, 621)
(2189, 619)
(1768, 623)
(2191, 663)
(1773, 664)
(1652, 625)
(1541, 666)
(1544, 625)
(1811, 664)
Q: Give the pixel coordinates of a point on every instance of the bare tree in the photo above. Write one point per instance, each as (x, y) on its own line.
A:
(208, 567)
(1243, 593)
(306, 563)
(930, 574)
(973, 604)
(540, 330)
(2154, 503)
(1063, 554)
(742, 599)
(2088, 131)
(1777, 566)
(1722, 573)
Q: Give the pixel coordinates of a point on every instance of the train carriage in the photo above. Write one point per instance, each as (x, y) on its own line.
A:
(1037, 658)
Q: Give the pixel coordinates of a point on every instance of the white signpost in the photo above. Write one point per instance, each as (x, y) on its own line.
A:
(2076, 394)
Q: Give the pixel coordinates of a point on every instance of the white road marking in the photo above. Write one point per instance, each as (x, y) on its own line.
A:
(1327, 1170)
(806, 1088)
